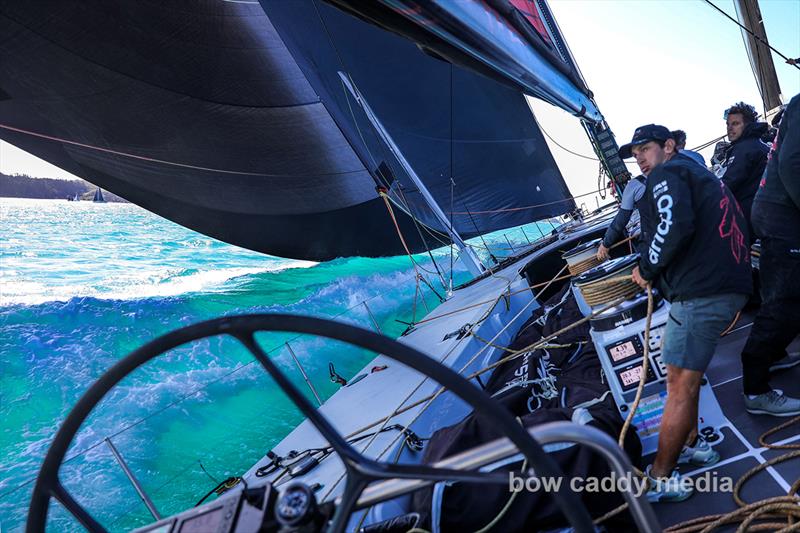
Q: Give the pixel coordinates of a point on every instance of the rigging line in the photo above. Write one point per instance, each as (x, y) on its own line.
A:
(558, 144)
(403, 241)
(161, 161)
(430, 399)
(509, 209)
(422, 382)
(414, 262)
(438, 235)
(397, 410)
(787, 59)
(541, 342)
(708, 143)
(406, 208)
(478, 231)
(756, 68)
(452, 181)
(427, 248)
(452, 245)
(347, 99)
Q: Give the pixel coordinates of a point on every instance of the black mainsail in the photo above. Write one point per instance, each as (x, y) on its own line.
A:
(234, 123)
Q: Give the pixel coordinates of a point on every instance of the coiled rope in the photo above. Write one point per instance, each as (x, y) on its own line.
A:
(776, 508)
(576, 269)
(603, 291)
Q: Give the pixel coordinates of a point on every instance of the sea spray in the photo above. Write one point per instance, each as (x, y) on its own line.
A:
(84, 286)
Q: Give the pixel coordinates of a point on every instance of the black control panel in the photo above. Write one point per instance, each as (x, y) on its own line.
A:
(245, 510)
(624, 350)
(629, 376)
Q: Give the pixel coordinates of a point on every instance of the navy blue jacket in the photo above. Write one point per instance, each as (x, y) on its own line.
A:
(744, 165)
(781, 183)
(697, 240)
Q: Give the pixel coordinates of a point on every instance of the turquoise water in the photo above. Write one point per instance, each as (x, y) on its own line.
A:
(83, 284)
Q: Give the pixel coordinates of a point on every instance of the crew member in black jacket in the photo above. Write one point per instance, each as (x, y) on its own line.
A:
(698, 255)
(746, 156)
(776, 220)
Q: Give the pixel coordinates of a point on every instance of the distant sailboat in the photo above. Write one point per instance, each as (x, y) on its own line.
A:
(98, 196)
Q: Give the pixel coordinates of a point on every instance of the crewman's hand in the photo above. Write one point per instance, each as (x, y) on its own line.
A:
(638, 279)
(602, 253)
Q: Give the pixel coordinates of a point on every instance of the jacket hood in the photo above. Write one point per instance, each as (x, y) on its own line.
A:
(754, 130)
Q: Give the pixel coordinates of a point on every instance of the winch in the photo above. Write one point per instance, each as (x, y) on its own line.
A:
(582, 257)
(606, 282)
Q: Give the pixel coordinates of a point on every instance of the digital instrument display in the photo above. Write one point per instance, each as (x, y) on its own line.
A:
(622, 351)
(625, 350)
(630, 375)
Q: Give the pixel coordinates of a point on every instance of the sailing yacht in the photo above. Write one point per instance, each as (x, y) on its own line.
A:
(379, 141)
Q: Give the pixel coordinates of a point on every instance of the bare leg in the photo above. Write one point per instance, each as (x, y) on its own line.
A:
(679, 419)
(694, 431)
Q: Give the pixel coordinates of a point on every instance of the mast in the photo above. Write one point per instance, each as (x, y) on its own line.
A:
(468, 255)
(600, 134)
(755, 40)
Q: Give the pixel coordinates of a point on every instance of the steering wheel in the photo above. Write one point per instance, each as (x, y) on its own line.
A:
(361, 471)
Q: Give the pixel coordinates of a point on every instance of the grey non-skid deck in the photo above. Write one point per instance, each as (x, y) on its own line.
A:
(739, 449)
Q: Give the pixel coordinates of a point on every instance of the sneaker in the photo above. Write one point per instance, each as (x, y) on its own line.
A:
(674, 488)
(772, 403)
(792, 359)
(698, 454)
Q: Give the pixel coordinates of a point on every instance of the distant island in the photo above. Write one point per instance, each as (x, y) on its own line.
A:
(24, 186)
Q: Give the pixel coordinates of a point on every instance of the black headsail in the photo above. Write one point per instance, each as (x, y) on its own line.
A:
(205, 116)
(515, 42)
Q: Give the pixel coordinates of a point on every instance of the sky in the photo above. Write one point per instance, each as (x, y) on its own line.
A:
(679, 63)
(674, 62)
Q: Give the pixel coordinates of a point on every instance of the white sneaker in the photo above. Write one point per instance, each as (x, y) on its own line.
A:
(668, 489)
(773, 403)
(699, 454)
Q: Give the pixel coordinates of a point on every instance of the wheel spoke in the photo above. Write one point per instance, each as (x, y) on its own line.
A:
(76, 509)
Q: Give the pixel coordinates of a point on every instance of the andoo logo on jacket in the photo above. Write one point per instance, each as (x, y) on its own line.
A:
(729, 228)
(664, 204)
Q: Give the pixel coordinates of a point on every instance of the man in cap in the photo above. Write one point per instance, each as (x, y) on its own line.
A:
(696, 251)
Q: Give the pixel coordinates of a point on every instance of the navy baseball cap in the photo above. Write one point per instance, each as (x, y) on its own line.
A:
(643, 135)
